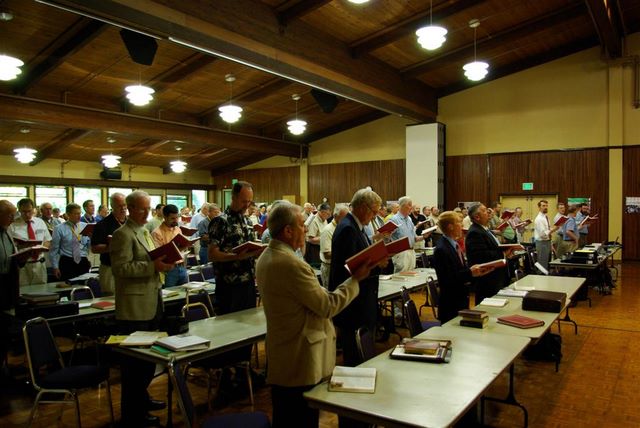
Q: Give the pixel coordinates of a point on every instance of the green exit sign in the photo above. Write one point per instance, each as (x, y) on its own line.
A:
(527, 186)
(234, 180)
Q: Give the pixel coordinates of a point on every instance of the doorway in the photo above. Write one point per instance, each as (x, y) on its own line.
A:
(529, 205)
(226, 199)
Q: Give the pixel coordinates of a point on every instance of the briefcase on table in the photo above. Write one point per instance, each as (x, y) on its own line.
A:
(544, 301)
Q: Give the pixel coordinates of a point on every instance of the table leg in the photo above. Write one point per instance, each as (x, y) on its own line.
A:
(567, 318)
(510, 399)
(169, 401)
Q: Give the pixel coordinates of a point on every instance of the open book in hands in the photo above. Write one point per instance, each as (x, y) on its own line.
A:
(171, 251)
(184, 242)
(27, 252)
(372, 255)
(353, 379)
(588, 220)
(561, 220)
(248, 246)
(388, 227)
(494, 264)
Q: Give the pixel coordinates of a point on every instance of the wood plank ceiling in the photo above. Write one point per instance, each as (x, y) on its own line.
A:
(69, 101)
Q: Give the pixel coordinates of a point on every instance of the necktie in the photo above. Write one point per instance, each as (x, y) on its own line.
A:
(30, 232)
(75, 244)
(548, 225)
(460, 255)
(366, 238)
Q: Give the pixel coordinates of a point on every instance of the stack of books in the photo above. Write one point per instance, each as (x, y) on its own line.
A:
(473, 318)
(40, 299)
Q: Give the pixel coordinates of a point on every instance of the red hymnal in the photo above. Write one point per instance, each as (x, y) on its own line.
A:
(170, 250)
(260, 228)
(388, 227)
(104, 304)
(398, 246)
(248, 246)
(520, 321)
(371, 255)
(502, 226)
(88, 229)
(507, 214)
(188, 231)
(183, 242)
(561, 220)
(495, 264)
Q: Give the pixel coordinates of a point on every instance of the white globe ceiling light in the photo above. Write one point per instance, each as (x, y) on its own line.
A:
(111, 161)
(139, 95)
(297, 126)
(475, 70)
(229, 112)
(25, 155)
(358, 1)
(431, 37)
(178, 166)
(9, 67)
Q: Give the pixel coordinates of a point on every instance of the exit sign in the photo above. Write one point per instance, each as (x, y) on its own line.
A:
(234, 180)
(527, 186)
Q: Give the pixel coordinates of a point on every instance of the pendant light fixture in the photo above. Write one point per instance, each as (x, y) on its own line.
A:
(475, 70)
(25, 155)
(229, 112)
(139, 95)
(9, 66)
(111, 160)
(297, 126)
(178, 166)
(432, 36)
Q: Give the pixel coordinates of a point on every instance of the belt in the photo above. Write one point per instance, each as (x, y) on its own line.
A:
(41, 260)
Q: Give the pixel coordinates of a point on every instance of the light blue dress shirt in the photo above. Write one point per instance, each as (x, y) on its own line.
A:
(405, 228)
(62, 242)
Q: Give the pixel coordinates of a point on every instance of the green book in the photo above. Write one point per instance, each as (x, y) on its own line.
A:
(161, 350)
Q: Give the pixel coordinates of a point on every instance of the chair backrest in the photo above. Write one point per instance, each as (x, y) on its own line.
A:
(413, 319)
(195, 275)
(424, 259)
(185, 403)
(82, 293)
(41, 348)
(192, 260)
(434, 296)
(366, 344)
(94, 285)
(404, 294)
(207, 272)
(200, 296)
(195, 312)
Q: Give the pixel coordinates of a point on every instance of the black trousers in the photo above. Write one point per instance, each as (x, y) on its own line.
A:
(136, 374)
(70, 269)
(290, 409)
(234, 297)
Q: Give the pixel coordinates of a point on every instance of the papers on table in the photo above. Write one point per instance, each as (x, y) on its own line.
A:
(494, 301)
(84, 277)
(353, 379)
(169, 293)
(510, 292)
(183, 342)
(143, 338)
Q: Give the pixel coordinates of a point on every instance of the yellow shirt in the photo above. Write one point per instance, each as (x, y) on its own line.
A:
(163, 234)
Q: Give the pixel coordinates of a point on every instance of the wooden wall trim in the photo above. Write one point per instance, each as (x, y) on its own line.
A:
(55, 181)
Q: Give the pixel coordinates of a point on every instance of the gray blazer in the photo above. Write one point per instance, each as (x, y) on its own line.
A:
(137, 282)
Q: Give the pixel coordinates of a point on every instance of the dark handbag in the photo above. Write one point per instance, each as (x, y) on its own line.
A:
(174, 325)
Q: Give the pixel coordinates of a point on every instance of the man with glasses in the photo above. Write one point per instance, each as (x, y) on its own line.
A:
(25, 231)
(138, 305)
(101, 240)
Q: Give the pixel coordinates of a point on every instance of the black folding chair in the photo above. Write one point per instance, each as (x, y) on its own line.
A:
(187, 408)
(49, 374)
(413, 320)
(365, 343)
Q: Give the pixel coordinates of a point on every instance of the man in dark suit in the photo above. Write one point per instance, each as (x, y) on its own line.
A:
(482, 247)
(349, 238)
(451, 268)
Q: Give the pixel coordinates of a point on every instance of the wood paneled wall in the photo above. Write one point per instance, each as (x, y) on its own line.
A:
(338, 182)
(580, 173)
(631, 187)
(269, 184)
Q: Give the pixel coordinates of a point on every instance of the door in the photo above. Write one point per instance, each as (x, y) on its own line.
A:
(529, 205)
(226, 199)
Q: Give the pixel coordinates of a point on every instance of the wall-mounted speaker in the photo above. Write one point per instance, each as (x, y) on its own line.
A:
(142, 49)
(326, 101)
(111, 174)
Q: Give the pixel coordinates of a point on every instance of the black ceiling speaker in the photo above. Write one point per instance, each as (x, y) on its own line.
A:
(142, 49)
(326, 101)
(111, 174)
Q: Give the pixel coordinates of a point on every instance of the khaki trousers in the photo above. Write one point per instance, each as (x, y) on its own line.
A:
(33, 273)
(107, 282)
(404, 261)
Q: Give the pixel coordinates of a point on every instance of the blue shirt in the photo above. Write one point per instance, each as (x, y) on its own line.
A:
(579, 218)
(62, 241)
(203, 229)
(569, 225)
(405, 228)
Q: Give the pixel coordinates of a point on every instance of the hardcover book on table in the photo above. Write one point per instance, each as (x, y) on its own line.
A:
(353, 379)
(183, 342)
(428, 350)
(520, 321)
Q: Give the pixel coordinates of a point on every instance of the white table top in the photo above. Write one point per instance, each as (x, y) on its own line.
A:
(420, 394)
(226, 332)
(390, 288)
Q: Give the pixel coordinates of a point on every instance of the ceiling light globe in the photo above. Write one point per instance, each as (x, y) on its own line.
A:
(230, 113)
(431, 37)
(110, 161)
(178, 166)
(139, 95)
(25, 155)
(9, 67)
(358, 1)
(297, 126)
(476, 70)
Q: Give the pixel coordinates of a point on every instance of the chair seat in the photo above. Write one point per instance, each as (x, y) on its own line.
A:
(428, 324)
(238, 420)
(75, 377)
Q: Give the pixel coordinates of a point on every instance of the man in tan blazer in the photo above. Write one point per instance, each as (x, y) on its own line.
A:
(301, 339)
(138, 305)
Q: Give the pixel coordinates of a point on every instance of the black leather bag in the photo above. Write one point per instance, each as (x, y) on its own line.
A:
(544, 301)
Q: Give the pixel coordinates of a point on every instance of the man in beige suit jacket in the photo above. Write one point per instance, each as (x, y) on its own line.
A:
(301, 339)
(138, 305)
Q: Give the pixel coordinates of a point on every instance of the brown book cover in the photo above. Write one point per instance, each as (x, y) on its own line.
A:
(523, 223)
(32, 251)
(507, 214)
(472, 314)
(398, 246)
(561, 220)
(248, 246)
(482, 323)
(170, 250)
(184, 242)
(22, 243)
(520, 321)
(371, 255)
(188, 231)
(260, 228)
(104, 304)
(388, 227)
(87, 230)
(502, 226)
(423, 346)
(588, 220)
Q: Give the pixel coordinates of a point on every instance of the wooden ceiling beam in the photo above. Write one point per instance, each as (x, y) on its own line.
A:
(301, 53)
(401, 29)
(190, 65)
(257, 157)
(59, 143)
(201, 159)
(343, 126)
(27, 109)
(146, 145)
(74, 38)
(504, 37)
(523, 64)
(288, 117)
(299, 10)
(604, 15)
